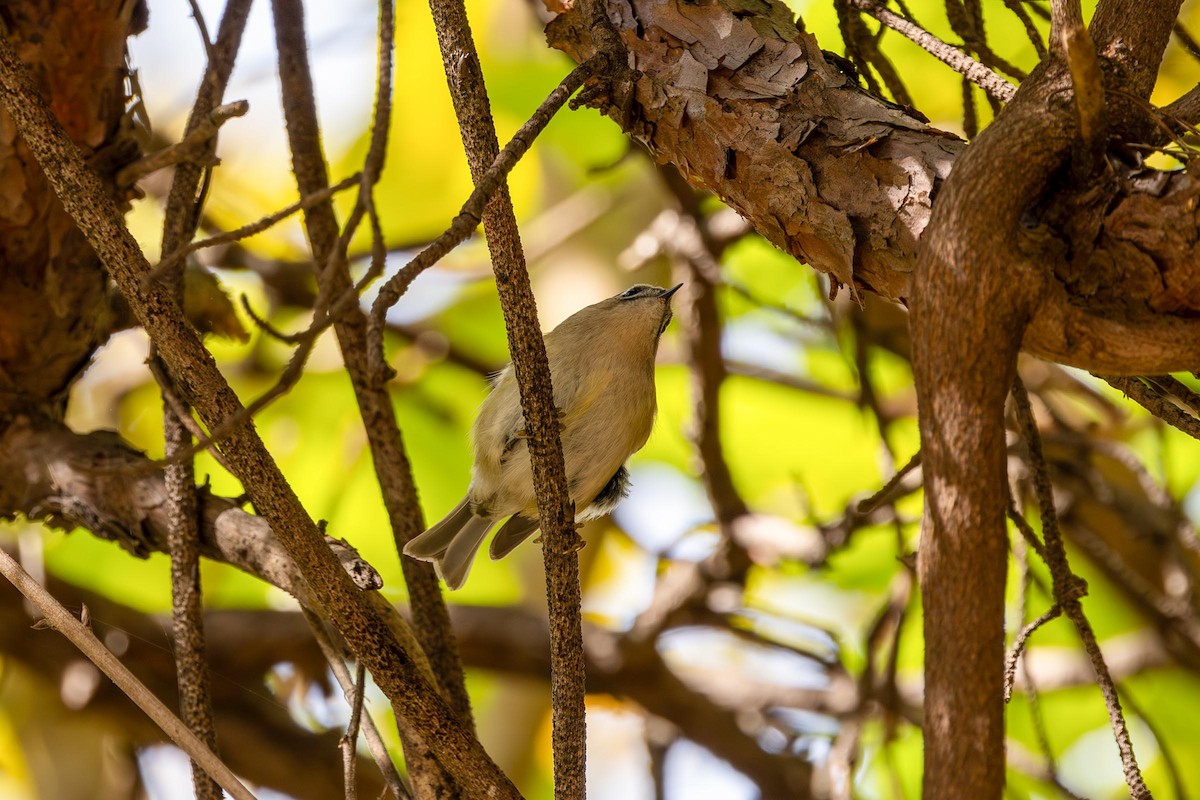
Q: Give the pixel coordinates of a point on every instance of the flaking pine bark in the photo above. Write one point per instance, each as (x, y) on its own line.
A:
(988, 245)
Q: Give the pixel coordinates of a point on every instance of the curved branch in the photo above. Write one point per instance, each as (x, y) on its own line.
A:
(973, 295)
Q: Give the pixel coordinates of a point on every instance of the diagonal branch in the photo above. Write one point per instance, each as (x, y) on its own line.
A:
(469, 216)
(82, 637)
(977, 73)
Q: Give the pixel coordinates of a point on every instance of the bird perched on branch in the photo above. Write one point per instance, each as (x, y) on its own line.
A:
(602, 367)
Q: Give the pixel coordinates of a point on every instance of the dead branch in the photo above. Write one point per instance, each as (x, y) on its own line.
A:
(469, 216)
(1068, 589)
(1157, 404)
(193, 147)
(978, 74)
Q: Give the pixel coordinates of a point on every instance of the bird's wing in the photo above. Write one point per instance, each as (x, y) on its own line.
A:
(511, 534)
(579, 381)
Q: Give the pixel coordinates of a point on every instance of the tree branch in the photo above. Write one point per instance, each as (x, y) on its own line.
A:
(973, 293)
(560, 541)
(375, 404)
(846, 183)
(264, 744)
(1068, 589)
(977, 73)
(180, 219)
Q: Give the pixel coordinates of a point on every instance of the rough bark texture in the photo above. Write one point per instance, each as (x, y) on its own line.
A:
(56, 311)
(375, 404)
(560, 541)
(195, 703)
(973, 295)
(431, 621)
(1075, 266)
(749, 107)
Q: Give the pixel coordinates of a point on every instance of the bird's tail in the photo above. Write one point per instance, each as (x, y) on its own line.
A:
(451, 544)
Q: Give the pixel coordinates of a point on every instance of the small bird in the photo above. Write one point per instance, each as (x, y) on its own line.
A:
(602, 367)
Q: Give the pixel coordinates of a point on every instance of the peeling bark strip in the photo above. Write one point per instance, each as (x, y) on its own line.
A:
(749, 108)
(56, 310)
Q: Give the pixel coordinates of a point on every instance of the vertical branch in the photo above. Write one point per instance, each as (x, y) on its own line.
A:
(973, 292)
(431, 621)
(561, 542)
(183, 539)
(349, 740)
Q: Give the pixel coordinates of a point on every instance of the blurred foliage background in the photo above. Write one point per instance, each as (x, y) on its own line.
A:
(819, 412)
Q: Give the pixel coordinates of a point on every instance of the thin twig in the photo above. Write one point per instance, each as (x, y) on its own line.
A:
(867, 505)
(966, 19)
(172, 399)
(1018, 648)
(1068, 589)
(1156, 404)
(469, 216)
(169, 261)
(1017, 7)
(202, 29)
(1187, 40)
(1178, 787)
(1032, 696)
(193, 147)
(979, 74)
(337, 665)
(80, 635)
(349, 739)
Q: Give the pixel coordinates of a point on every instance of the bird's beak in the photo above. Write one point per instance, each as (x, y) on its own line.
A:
(666, 295)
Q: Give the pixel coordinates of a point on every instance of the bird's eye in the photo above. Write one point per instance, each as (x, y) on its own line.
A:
(632, 291)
